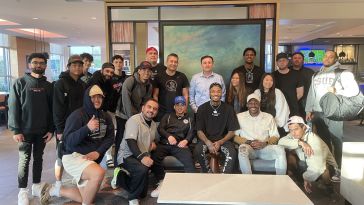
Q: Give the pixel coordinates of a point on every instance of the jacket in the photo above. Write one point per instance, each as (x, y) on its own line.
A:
(30, 106)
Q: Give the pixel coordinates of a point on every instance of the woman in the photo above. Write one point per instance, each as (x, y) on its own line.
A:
(237, 94)
(273, 101)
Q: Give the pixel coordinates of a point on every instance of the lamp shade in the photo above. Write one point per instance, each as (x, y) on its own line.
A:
(311, 54)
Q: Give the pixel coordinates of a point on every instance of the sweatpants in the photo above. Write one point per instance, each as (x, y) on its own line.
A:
(137, 183)
(227, 152)
(184, 155)
(35, 143)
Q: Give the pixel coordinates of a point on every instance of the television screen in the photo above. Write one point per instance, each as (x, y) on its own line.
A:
(317, 60)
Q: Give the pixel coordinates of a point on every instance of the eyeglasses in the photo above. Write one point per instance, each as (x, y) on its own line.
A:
(38, 63)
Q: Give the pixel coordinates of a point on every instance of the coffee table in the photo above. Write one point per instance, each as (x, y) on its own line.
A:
(197, 188)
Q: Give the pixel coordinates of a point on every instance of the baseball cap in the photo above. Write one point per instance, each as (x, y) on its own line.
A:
(296, 120)
(151, 49)
(74, 59)
(281, 55)
(180, 99)
(95, 90)
(107, 65)
(145, 65)
(253, 95)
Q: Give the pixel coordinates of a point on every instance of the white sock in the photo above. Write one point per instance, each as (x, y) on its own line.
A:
(23, 189)
(58, 183)
(55, 190)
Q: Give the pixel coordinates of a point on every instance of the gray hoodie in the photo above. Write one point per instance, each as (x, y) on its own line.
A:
(346, 86)
(133, 94)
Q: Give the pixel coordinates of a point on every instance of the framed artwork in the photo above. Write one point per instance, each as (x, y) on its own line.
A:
(224, 40)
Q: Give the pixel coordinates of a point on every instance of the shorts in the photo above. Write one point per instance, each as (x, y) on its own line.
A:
(75, 164)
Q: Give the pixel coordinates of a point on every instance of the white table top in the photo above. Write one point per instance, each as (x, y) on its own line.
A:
(197, 188)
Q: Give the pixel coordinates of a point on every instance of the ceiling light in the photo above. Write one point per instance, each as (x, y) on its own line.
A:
(342, 54)
(311, 54)
(35, 18)
(93, 18)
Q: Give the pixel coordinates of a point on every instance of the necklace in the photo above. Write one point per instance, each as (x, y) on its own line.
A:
(215, 113)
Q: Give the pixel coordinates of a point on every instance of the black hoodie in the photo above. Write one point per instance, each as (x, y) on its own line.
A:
(77, 137)
(67, 97)
(30, 106)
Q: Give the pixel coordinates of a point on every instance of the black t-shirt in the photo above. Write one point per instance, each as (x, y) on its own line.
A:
(252, 77)
(288, 83)
(215, 125)
(169, 88)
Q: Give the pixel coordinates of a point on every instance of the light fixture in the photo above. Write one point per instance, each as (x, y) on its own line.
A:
(342, 54)
(311, 54)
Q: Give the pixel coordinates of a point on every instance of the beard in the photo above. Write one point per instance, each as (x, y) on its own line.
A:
(38, 71)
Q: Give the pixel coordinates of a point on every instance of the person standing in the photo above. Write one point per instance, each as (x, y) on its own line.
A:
(289, 82)
(87, 60)
(329, 130)
(252, 73)
(306, 75)
(168, 85)
(200, 83)
(67, 97)
(151, 55)
(31, 120)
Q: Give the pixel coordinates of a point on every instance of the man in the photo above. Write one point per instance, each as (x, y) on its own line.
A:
(30, 118)
(306, 76)
(116, 82)
(216, 124)
(257, 137)
(168, 85)
(310, 149)
(67, 97)
(89, 132)
(135, 153)
(87, 60)
(200, 83)
(176, 132)
(289, 82)
(330, 131)
(252, 73)
(103, 78)
(135, 91)
(152, 57)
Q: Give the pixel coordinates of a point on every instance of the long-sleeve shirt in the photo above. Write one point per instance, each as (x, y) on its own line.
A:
(199, 88)
(181, 128)
(316, 163)
(345, 86)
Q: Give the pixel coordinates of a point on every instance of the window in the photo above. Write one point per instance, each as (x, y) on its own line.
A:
(56, 61)
(5, 77)
(95, 51)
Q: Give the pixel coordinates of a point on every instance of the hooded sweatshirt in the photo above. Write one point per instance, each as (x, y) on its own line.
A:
(78, 137)
(106, 87)
(67, 97)
(133, 94)
(346, 86)
(30, 106)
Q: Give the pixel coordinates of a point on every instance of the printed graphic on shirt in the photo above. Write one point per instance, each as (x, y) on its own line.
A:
(171, 85)
(101, 131)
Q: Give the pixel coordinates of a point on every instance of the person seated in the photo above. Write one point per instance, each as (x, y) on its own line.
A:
(312, 150)
(257, 138)
(88, 134)
(216, 123)
(176, 131)
(134, 156)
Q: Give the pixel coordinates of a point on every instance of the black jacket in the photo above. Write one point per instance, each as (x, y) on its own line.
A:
(67, 97)
(30, 106)
(78, 138)
(181, 128)
(106, 87)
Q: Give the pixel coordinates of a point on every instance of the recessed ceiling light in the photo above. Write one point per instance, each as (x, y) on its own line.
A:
(337, 33)
(35, 18)
(318, 25)
(93, 18)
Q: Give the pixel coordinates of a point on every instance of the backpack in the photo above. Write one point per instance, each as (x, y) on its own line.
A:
(340, 108)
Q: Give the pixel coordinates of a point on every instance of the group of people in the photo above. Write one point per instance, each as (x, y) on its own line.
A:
(145, 117)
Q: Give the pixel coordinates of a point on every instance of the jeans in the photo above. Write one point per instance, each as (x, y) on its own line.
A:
(270, 152)
(227, 150)
(35, 142)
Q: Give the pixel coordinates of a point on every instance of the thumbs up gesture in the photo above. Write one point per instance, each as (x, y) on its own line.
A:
(93, 124)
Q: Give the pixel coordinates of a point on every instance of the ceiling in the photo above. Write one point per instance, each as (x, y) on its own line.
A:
(82, 21)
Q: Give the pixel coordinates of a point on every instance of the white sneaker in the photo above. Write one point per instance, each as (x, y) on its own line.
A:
(155, 192)
(134, 202)
(23, 197)
(36, 189)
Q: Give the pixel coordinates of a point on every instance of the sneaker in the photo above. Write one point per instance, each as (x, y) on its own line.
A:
(134, 202)
(155, 192)
(23, 197)
(37, 188)
(110, 163)
(44, 194)
(336, 177)
(115, 178)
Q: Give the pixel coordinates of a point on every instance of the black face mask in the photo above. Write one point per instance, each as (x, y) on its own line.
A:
(38, 71)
